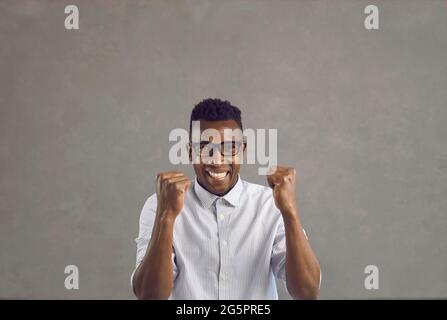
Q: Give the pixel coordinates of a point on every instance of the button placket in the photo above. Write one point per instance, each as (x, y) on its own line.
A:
(222, 217)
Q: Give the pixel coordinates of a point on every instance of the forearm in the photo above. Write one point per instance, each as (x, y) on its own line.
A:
(302, 267)
(153, 278)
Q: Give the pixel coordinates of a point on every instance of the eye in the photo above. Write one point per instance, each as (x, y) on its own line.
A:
(203, 144)
(230, 148)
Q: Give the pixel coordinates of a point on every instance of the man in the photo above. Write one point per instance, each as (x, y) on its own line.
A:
(220, 237)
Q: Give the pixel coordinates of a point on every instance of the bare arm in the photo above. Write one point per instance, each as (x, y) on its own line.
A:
(153, 279)
(301, 267)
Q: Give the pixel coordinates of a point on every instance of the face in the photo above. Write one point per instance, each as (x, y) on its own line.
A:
(218, 173)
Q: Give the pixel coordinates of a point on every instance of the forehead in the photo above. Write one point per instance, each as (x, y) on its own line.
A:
(221, 130)
(220, 125)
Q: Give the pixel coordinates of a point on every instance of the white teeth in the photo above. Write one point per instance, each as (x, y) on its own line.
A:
(218, 175)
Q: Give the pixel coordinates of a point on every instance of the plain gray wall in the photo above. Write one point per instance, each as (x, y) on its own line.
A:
(85, 117)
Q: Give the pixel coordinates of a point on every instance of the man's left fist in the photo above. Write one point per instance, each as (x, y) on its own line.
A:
(283, 182)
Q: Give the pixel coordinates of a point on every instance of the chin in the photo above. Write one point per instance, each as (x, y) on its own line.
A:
(218, 185)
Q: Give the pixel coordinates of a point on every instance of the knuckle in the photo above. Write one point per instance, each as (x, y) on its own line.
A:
(176, 185)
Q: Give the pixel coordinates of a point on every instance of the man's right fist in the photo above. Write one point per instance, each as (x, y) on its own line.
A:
(171, 188)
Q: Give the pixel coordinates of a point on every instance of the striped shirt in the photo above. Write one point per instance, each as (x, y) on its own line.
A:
(229, 247)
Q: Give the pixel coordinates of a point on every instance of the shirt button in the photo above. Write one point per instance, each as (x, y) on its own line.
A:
(224, 243)
(221, 216)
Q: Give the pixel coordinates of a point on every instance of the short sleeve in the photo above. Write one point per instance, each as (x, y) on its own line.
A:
(147, 219)
(278, 259)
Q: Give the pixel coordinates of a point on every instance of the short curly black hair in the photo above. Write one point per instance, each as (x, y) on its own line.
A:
(215, 110)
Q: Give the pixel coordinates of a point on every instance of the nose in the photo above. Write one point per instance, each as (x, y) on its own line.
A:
(216, 157)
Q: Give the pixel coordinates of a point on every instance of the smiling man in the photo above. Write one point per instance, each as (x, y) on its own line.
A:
(218, 236)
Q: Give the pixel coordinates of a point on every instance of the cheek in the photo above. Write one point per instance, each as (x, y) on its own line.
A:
(198, 169)
(235, 169)
(235, 160)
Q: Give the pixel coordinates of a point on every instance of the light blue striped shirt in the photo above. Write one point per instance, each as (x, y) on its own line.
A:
(228, 247)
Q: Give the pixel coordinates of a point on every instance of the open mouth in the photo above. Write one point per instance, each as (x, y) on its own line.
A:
(217, 176)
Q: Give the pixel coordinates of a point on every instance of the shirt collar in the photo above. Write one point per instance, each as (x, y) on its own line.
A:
(207, 198)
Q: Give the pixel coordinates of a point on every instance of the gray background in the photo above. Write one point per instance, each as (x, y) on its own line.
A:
(85, 117)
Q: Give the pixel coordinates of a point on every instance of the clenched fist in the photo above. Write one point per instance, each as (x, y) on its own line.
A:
(283, 182)
(171, 188)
